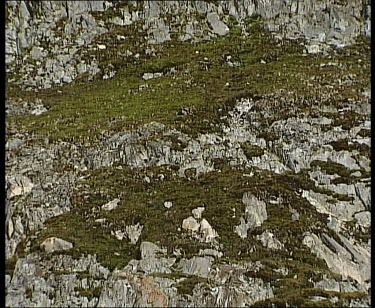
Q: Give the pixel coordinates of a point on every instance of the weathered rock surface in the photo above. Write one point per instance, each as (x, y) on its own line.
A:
(55, 244)
(255, 214)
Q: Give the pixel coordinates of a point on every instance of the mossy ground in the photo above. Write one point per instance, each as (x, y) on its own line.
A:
(84, 110)
(219, 192)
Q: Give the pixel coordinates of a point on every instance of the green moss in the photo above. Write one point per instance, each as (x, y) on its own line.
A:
(90, 293)
(331, 167)
(364, 133)
(268, 136)
(187, 285)
(347, 120)
(251, 150)
(219, 192)
(82, 111)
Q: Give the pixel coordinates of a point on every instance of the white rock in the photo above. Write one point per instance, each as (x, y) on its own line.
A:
(197, 213)
(119, 234)
(38, 110)
(100, 220)
(52, 244)
(149, 250)
(147, 76)
(19, 185)
(101, 46)
(133, 232)
(313, 49)
(268, 241)
(10, 228)
(363, 218)
(242, 228)
(190, 224)
(207, 231)
(168, 204)
(111, 205)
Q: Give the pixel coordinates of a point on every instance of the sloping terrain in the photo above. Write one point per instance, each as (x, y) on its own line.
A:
(228, 168)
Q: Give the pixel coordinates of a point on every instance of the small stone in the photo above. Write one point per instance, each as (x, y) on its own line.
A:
(38, 110)
(190, 224)
(10, 229)
(13, 144)
(111, 205)
(100, 220)
(207, 231)
(197, 213)
(168, 204)
(263, 62)
(101, 46)
(133, 232)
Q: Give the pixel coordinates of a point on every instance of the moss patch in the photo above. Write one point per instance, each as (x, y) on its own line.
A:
(251, 150)
(84, 110)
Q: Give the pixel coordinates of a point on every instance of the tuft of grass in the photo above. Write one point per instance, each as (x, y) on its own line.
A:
(187, 285)
(90, 293)
(331, 167)
(251, 150)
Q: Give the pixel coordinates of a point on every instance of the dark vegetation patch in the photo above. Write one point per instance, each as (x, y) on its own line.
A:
(347, 145)
(251, 150)
(187, 285)
(143, 203)
(90, 293)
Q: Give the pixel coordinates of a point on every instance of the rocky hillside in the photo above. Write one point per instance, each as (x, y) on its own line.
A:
(188, 153)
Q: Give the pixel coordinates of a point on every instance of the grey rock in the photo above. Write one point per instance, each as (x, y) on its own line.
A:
(363, 218)
(242, 228)
(217, 25)
(117, 293)
(255, 211)
(268, 241)
(39, 109)
(199, 266)
(52, 244)
(190, 224)
(341, 264)
(197, 213)
(19, 185)
(156, 265)
(14, 144)
(208, 233)
(210, 252)
(149, 250)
